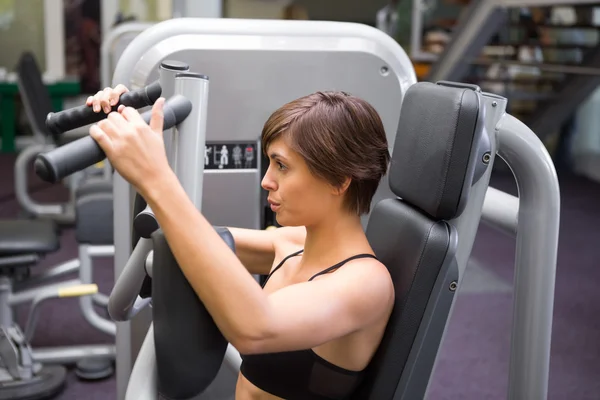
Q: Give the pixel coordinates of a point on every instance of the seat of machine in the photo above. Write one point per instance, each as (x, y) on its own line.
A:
(94, 185)
(18, 237)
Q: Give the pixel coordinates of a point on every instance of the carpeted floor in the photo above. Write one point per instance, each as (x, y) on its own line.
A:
(473, 363)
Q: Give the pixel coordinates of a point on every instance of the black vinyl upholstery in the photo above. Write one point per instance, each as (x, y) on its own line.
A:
(34, 91)
(189, 346)
(414, 248)
(19, 237)
(432, 169)
(94, 212)
(433, 158)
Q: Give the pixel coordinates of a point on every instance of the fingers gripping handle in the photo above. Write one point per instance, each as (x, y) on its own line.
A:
(72, 118)
(61, 162)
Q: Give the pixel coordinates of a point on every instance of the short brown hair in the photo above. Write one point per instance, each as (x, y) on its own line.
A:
(339, 136)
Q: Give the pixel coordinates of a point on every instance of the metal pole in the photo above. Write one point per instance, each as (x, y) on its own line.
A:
(191, 135)
(535, 269)
(493, 107)
(416, 28)
(500, 210)
(112, 37)
(190, 141)
(166, 72)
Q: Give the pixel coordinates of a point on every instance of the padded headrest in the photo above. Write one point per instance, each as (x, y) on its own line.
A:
(439, 149)
(34, 90)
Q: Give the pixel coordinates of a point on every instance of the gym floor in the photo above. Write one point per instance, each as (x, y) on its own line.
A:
(473, 363)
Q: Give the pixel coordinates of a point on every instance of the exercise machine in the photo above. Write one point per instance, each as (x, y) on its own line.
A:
(89, 208)
(27, 372)
(38, 104)
(255, 66)
(448, 137)
(245, 60)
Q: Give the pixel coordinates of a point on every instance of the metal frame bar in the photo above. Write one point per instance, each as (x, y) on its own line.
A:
(190, 138)
(61, 212)
(68, 267)
(47, 355)
(72, 354)
(86, 303)
(108, 43)
(536, 255)
(500, 211)
(29, 295)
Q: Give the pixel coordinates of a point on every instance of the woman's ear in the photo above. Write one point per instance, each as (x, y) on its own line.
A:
(341, 189)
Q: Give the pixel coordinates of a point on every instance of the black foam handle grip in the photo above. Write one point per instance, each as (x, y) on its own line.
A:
(80, 154)
(76, 117)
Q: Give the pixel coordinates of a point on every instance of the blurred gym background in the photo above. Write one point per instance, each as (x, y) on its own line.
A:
(544, 56)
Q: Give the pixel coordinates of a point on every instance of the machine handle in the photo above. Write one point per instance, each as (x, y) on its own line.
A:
(63, 121)
(61, 162)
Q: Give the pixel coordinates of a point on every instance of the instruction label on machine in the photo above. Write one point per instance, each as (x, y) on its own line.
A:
(230, 156)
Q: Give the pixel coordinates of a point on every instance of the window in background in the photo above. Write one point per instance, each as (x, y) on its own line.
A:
(22, 28)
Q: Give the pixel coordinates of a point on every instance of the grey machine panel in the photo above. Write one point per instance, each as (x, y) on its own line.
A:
(257, 66)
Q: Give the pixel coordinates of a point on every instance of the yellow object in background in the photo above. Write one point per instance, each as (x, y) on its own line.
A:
(78, 290)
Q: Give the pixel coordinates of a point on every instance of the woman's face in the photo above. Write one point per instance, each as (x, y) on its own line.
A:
(296, 196)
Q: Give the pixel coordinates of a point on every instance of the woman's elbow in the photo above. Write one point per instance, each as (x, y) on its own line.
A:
(253, 338)
(250, 344)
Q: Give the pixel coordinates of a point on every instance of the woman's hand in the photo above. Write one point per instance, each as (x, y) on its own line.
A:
(105, 99)
(133, 147)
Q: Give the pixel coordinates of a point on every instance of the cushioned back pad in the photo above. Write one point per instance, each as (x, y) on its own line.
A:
(434, 152)
(18, 237)
(414, 248)
(34, 90)
(189, 346)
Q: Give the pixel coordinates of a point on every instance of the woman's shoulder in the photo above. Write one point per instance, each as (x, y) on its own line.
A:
(288, 240)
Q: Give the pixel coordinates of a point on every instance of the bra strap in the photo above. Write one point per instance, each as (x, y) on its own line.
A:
(280, 265)
(336, 266)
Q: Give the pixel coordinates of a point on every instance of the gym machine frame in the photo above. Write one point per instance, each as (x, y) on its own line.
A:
(534, 217)
(536, 224)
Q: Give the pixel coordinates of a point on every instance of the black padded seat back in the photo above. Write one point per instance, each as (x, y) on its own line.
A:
(94, 223)
(416, 250)
(439, 147)
(189, 346)
(34, 92)
(435, 161)
(19, 237)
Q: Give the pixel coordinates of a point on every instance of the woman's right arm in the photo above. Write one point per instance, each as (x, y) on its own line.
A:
(256, 248)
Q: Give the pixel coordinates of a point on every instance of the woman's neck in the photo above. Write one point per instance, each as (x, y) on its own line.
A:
(333, 240)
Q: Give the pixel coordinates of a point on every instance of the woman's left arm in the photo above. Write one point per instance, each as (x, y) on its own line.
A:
(299, 316)
(234, 299)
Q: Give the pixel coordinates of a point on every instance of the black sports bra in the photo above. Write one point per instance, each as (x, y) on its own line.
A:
(302, 374)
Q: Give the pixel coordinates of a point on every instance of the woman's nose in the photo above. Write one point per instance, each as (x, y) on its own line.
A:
(268, 183)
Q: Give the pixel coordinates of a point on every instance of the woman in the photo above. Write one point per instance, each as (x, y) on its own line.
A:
(313, 328)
